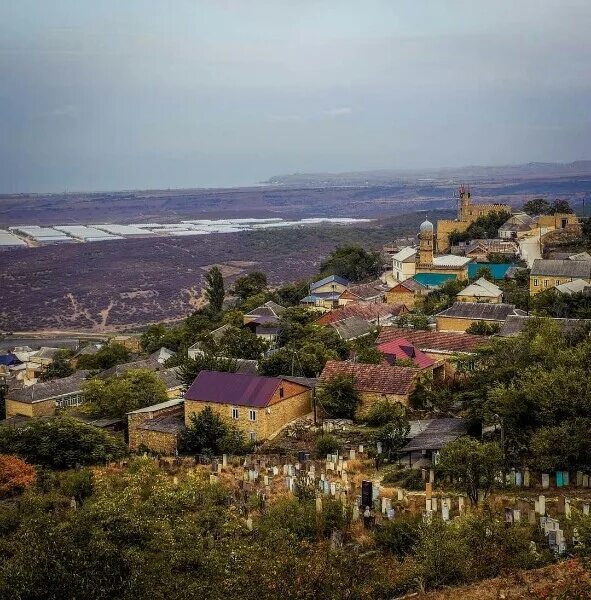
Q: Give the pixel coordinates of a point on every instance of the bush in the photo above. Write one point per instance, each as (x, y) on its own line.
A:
(339, 397)
(399, 536)
(409, 479)
(77, 484)
(15, 475)
(326, 444)
(381, 413)
(61, 443)
(483, 328)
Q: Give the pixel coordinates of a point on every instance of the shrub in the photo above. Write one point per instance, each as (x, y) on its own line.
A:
(326, 444)
(381, 413)
(399, 536)
(409, 479)
(339, 397)
(15, 475)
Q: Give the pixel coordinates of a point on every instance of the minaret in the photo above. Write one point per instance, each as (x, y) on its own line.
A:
(464, 203)
(425, 253)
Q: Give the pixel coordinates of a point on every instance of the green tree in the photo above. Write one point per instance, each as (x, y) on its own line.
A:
(191, 367)
(250, 285)
(537, 206)
(60, 443)
(394, 433)
(339, 397)
(59, 367)
(208, 433)
(242, 343)
(370, 356)
(483, 328)
(560, 206)
(326, 443)
(352, 262)
(107, 357)
(115, 396)
(474, 464)
(214, 289)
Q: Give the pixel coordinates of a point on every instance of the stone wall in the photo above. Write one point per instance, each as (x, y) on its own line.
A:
(46, 408)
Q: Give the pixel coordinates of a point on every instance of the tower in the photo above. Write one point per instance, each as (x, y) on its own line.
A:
(425, 253)
(464, 204)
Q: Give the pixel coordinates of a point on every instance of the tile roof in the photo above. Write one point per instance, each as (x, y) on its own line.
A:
(577, 269)
(410, 284)
(437, 433)
(481, 311)
(369, 312)
(352, 327)
(494, 245)
(436, 341)
(365, 291)
(49, 389)
(401, 349)
(238, 389)
(329, 279)
(515, 324)
(373, 378)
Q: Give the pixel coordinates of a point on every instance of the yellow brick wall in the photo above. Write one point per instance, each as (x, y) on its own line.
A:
(487, 299)
(330, 287)
(157, 441)
(37, 409)
(407, 298)
(453, 324)
(444, 228)
(296, 403)
(368, 399)
(539, 283)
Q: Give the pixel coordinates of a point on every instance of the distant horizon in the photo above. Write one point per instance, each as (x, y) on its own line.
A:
(411, 170)
(211, 94)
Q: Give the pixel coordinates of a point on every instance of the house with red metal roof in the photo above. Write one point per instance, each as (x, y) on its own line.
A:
(260, 406)
(374, 382)
(378, 314)
(402, 349)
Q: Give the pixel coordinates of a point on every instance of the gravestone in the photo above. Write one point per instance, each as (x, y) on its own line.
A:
(516, 515)
(542, 504)
(224, 460)
(366, 493)
(545, 481)
(579, 479)
(526, 478)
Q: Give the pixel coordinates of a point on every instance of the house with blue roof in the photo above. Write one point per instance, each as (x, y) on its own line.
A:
(325, 293)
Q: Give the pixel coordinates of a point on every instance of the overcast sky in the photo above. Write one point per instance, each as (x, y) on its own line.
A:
(119, 94)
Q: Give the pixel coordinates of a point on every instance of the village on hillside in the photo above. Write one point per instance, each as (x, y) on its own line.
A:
(418, 383)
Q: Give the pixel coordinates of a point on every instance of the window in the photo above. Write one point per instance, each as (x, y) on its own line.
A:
(557, 282)
(545, 283)
(234, 413)
(281, 392)
(252, 436)
(252, 415)
(536, 282)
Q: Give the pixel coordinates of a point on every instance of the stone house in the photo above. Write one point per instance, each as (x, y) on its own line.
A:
(374, 382)
(156, 427)
(352, 328)
(369, 293)
(264, 320)
(406, 292)
(39, 362)
(546, 274)
(132, 342)
(43, 399)
(461, 315)
(479, 249)
(259, 406)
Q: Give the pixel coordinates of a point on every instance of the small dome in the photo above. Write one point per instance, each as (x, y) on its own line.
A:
(426, 225)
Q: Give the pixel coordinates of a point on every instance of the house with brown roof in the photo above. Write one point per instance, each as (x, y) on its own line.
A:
(376, 314)
(260, 406)
(374, 382)
(406, 292)
(446, 346)
(43, 399)
(461, 315)
(264, 320)
(369, 293)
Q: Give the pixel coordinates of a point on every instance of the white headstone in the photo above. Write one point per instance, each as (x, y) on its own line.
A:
(352, 454)
(545, 481)
(224, 460)
(542, 504)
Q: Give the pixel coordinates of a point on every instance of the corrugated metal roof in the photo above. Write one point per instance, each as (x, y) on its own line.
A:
(577, 269)
(437, 433)
(329, 279)
(239, 389)
(480, 311)
(352, 327)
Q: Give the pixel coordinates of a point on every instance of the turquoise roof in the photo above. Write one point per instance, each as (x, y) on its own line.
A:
(433, 279)
(498, 270)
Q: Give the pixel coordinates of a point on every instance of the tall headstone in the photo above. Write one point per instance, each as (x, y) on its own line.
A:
(318, 504)
(352, 454)
(224, 460)
(526, 478)
(545, 481)
(366, 493)
(542, 504)
(579, 479)
(379, 447)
